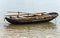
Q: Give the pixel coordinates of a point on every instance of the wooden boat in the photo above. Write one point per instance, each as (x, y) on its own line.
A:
(31, 18)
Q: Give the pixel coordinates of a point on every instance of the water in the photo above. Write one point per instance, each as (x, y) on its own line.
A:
(41, 30)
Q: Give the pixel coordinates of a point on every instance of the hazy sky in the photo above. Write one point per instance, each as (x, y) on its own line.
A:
(30, 5)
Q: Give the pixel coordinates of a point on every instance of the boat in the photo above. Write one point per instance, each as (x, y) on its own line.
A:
(22, 18)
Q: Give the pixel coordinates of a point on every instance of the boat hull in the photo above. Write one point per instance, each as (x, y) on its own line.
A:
(39, 21)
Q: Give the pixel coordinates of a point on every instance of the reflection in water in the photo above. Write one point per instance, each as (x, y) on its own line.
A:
(38, 26)
(40, 30)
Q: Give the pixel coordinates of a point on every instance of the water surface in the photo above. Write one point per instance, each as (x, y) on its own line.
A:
(40, 30)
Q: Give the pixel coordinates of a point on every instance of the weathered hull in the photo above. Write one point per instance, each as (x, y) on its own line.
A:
(19, 22)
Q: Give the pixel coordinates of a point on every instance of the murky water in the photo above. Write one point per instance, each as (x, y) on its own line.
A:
(40, 30)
